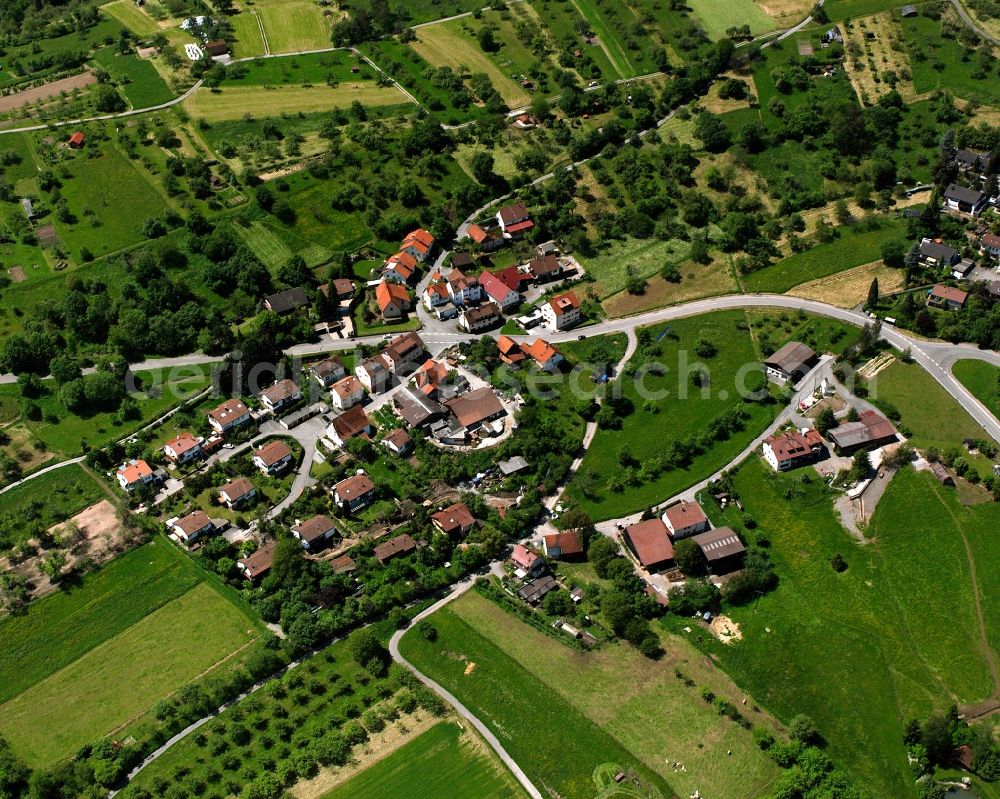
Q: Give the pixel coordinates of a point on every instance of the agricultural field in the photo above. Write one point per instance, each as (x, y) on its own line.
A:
(316, 68)
(446, 762)
(982, 379)
(718, 16)
(236, 101)
(646, 256)
(90, 647)
(893, 637)
(876, 58)
(849, 288)
(140, 82)
(620, 709)
(132, 17)
(838, 10)
(293, 26)
(851, 248)
(248, 38)
(697, 281)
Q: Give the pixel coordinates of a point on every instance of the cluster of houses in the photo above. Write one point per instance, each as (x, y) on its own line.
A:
(650, 542)
(400, 272)
(530, 571)
(791, 449)
(936, 254)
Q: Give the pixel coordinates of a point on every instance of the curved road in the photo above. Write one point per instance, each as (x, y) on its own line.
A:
(463, 711)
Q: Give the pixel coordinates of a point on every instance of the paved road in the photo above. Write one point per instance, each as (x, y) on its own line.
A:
(971, 23)
(457, 590)
(40, 472)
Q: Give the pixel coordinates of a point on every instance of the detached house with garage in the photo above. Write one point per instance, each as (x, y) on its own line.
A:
(231, 413)
(183, 449)
(934, 253)
(274, 457)
(964, 200)
(562, 311)
(354, 493)
(315, 532)
(280, 395)
(514, 221)
(352, 423)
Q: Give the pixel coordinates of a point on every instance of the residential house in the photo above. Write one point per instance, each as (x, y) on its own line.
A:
(400, 268)
(511, 277)
(484, 317)
(489, 239)
(685, 519)
(374, 375)
(462, 289)
(183, 449)
(346, 393)
(419, 244)
(76, 140)
(398, 442)
(990, 245)
(461, 260)
(566, 545)
(791, 362)
(328, 371)
(791, 449)
(547, 357)
(436, 296)
(274, 457)
(280, 395)
(430, 378)
(514, 220)
(510, 351)
(237, 492)
(946, 297)
(416, 409)
(343, 565)
(231, 413)
(188, 529)
(723, 550)
(352, 423)
(404, 353)
(971, 162)
(314, 532)
(934, 253)
(343, 289)
(968, 201)
(499, 291)
(392, 298)
(562, 311)
(258, 563)
(650, 543)
(544, 268)
(872, 430)
(135, 473)
(354, 493)
(395, 548)
(476, 408)
(287, 301)
(455, 520)
(527, 564)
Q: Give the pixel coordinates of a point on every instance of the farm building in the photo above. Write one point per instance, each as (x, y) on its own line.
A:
(870, 431)
(476, 408)
(650, 544)
(722, 549)
(535, 591)
(942, 475)
(791, 362)
(684, 519)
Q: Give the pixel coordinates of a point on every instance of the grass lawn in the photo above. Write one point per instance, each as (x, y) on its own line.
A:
(683, 412)
(619, 708)
(928, 411)
(447, 44)
(265, 243)
(850, 249)
(142, 85)
(442, 763)
(982, 379)
(132, 17)
(53, 497)
(646, 256)
(298, 69)
(697, 280)
(118, 679)
(292, 26)
(892, 638)
(236, 101)
(248, 40)
(717, 16)
(116, 192)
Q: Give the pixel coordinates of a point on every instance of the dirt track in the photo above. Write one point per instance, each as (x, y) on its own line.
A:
(14, 101)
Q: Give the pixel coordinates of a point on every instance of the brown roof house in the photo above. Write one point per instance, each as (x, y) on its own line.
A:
(685, 519)
(374, 374)
(280, 395)
(274, 457)
(404, 353)
(485, 316)
(791, 449)
(314, 532)
(183, 449)
(258, 563)
(397, 547)
(722, 549)
(791, 362)
(354, 493)
(346, 393)
(398, 441)
(231, 413)
(352, 423)
(188, 529)
(872, 430)
(567, 545)
(650, 544)
(455, 520)
(946, 297)
(477, 407)
(514, 220)
(328, 371)
(237, 492)
(544, 268)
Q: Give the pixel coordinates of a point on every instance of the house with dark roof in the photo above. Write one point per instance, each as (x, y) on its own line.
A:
(973, 162)
(258, 563)
(990, 245)
(354, 493)
(545, 268)
(328, 371)
(395, 548)
(514, 220)
(231, 413)
(792, 449)
(935, 253)
(415, 408)
(965, 200)
(791, 362)
(685, 519)
(872, 430)
(217, 48)
(723, 550)
(946, 298)
(237, 492)
(280, 395)
(404, 353)
(343, 289)
(398, 441)
(455, 520)
(535, 591)
(484, 317)
(188, 529)
(287, 301)
(650, 543)
(352, 423)
(315, 532)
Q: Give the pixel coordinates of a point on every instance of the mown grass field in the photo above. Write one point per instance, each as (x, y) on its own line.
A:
(848, 250)
(237, 101)
(844, 9)
(446, 44)
(935, 418)
(298, 70)
(718, 16)
(681, 411)
(644, 713)
(861, 652)
(248, 39)
(982, 379)
(131, 16)
(141, 83)
(441, 763)
(292, 26)
(119, 679)
(646, 256)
